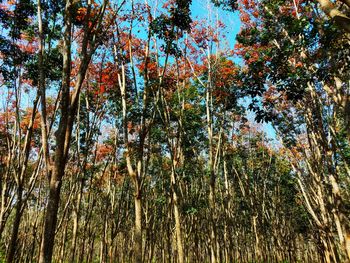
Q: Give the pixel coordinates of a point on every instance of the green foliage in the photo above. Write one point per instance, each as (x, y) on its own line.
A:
(53, 66)
(230, 5)
(271, 49)
(169, 27)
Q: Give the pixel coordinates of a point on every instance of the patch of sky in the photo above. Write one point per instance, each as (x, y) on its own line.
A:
(204, 9)
(266, 127)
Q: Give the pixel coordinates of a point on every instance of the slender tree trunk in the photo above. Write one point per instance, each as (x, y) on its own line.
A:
(138, 228)
(63, 243)
(180, 251)
(55, 183)
(48, 237)
(76, 214)
(15, 227)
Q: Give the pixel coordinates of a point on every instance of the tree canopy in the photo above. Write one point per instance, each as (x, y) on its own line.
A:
(135, 131)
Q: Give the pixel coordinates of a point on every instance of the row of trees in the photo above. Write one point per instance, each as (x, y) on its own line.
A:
(124, 136)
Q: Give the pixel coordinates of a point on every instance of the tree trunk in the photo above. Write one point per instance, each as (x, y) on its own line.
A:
(15, 227)
(138, 229)
(48, 237)
(76, 214)
(180, 251)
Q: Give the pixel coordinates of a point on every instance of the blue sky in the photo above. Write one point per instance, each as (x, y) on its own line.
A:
(200, 9)
(204, 9)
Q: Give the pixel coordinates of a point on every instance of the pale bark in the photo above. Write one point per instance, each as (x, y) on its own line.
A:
(342, 20)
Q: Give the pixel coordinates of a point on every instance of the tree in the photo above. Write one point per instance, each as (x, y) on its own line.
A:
(288, 69)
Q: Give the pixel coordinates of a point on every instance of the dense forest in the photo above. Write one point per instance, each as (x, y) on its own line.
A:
(147, 131)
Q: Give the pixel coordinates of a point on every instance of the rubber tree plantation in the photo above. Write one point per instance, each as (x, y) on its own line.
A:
(175, 131)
